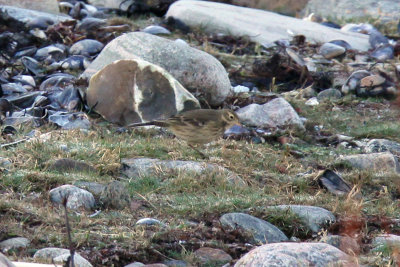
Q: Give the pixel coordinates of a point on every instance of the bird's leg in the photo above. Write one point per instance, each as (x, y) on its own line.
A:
(198, 151)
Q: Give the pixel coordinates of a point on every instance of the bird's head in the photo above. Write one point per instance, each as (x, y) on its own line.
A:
(230, 118)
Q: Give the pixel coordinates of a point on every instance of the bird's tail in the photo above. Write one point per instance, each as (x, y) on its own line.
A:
(155, 123)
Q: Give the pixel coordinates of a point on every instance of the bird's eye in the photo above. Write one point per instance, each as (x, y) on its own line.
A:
(231, 117)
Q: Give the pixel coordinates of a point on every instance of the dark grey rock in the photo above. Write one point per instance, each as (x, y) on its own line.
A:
(86, 47)
(262, 231)
(69, 121)
(92, 187)
(329, 50)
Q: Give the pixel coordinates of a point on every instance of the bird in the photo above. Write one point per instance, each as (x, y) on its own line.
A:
(197, 127)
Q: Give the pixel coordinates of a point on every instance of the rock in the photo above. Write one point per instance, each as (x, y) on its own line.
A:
(115, 195)
(240, 89)
(260, 26)
(176, 263)
(5, 162)
(70, 165)
(69, 121)
(277, 113)
(345, 243)
(92, 187)
(79, 261)
(382, 145)
(383, 12)
(315, 218)
(86, 47)
(372, 80)
(128, 91)
(329, 50)
(383, 53)
(293, 254)
(155, 29)
(14, 243)
(50, 253)
(76, 198)
(49, 6)
(24, 17)
(196, 70)
(334, 183)
(260, 230)
(386, 240)
(212, 256)
(329, 94)
(376, 162)
(134, 168)
(134, 264)
(149, 222)
(313, 101)
(5, 262)
(52, 51)
(60, 255)
(354, 80)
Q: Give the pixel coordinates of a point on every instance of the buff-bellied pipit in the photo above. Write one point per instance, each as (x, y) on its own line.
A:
(198, 127)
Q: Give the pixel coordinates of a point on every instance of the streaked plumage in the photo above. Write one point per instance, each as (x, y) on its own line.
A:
(198, 126)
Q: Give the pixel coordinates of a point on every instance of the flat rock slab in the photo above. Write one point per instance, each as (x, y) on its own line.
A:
(50, 6)
(293, 254)
(134, 168)
(377, 162)
(315, 218)
(386, 240)
(196, 70)
(260, 230)
(260, 26)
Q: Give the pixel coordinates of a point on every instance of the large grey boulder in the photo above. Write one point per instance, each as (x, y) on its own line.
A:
(135, 90)
(294, 254)
(260, 26)
(134, 168)
(196, 70)
(261, 231)
(50, 6)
